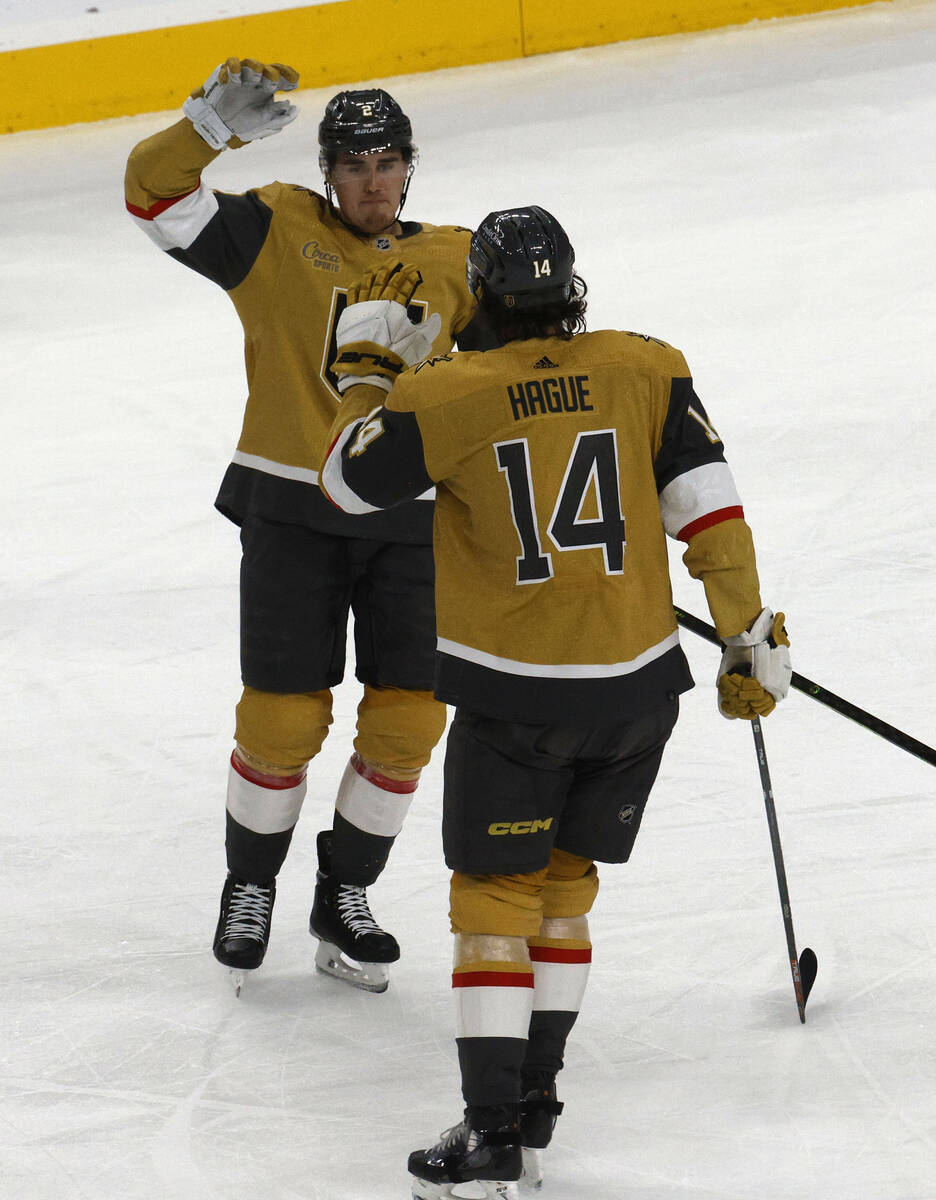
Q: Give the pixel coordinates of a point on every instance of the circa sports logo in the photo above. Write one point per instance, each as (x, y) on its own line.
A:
(320, 258)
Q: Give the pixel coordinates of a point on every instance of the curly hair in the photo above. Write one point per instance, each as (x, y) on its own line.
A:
(562, 320)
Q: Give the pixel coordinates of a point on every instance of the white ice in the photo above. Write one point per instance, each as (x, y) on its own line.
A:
(26, 23)
(763, 198)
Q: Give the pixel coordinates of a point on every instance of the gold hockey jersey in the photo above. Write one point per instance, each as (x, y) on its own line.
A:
(286, 260)
(560, 466)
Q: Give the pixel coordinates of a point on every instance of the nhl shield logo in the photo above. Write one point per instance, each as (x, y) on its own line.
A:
(383, 243)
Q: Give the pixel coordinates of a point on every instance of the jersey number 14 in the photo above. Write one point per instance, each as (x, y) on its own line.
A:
(593, 463)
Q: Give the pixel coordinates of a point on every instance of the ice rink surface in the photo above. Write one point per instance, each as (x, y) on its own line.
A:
(761, 197)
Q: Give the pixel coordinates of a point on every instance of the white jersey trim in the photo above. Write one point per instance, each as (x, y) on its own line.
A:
(510, 666)
(177, 226)
(271, 467)
(299, 474)
(333, 483)
(695, 494)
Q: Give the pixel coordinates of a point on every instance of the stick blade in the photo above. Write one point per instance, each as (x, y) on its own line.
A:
(808, 966)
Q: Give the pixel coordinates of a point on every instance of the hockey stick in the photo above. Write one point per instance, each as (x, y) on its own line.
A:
(824, 696)
(804, 967)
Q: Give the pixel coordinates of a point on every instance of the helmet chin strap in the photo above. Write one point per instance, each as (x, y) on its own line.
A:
(406, 182)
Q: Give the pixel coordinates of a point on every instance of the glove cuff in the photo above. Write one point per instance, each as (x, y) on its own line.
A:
(349, 381)
(368, 358)
(758, 632)
(208, 125)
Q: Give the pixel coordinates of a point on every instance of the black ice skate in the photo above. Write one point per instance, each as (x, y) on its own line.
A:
(483, 1150)
(243, 931)
(539, 1111)
(352, 946)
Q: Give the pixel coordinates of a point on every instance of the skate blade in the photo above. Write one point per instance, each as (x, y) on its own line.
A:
(370, 977)
(479, 1189)
(532, 1178)
(237, 976)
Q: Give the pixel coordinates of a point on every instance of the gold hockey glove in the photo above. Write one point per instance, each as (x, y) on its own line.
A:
(376, 339)
(744, 697)
(397, 284)
(755, 671)
(236, 101)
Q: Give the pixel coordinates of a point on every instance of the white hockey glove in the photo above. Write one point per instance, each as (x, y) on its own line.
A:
(236, 100)
(376, 339)
(755, 669)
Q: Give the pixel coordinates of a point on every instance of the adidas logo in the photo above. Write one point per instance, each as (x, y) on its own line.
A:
(544, 363)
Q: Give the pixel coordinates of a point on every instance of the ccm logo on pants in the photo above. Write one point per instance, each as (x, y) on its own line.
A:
(499, 828)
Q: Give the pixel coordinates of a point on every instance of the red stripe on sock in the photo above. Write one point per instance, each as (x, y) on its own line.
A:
(401, 787)
(736, 512)
(493, 979)
(552, 954)
(276, 783)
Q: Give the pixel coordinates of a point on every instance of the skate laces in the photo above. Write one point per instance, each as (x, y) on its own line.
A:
(351, 903)
(460, 1136)
(248, 912)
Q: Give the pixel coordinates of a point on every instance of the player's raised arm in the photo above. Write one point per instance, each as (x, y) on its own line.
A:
(163, 185)
(375, 457)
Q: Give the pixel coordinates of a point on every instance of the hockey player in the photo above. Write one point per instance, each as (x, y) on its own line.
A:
(286, 255)
(559, 459)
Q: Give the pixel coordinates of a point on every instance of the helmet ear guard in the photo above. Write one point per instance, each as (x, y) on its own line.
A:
(478, 267)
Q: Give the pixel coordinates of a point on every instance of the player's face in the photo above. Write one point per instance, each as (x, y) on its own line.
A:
(368, 188)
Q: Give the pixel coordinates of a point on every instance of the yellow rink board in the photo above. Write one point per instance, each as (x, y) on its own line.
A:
(335, 43)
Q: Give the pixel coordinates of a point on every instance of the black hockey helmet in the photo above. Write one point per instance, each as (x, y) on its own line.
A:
(523, 257)
(363, 122)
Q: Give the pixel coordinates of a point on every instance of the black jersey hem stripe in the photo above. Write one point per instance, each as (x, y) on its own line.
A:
(584, 702)
(246, 491)
(565, 671)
